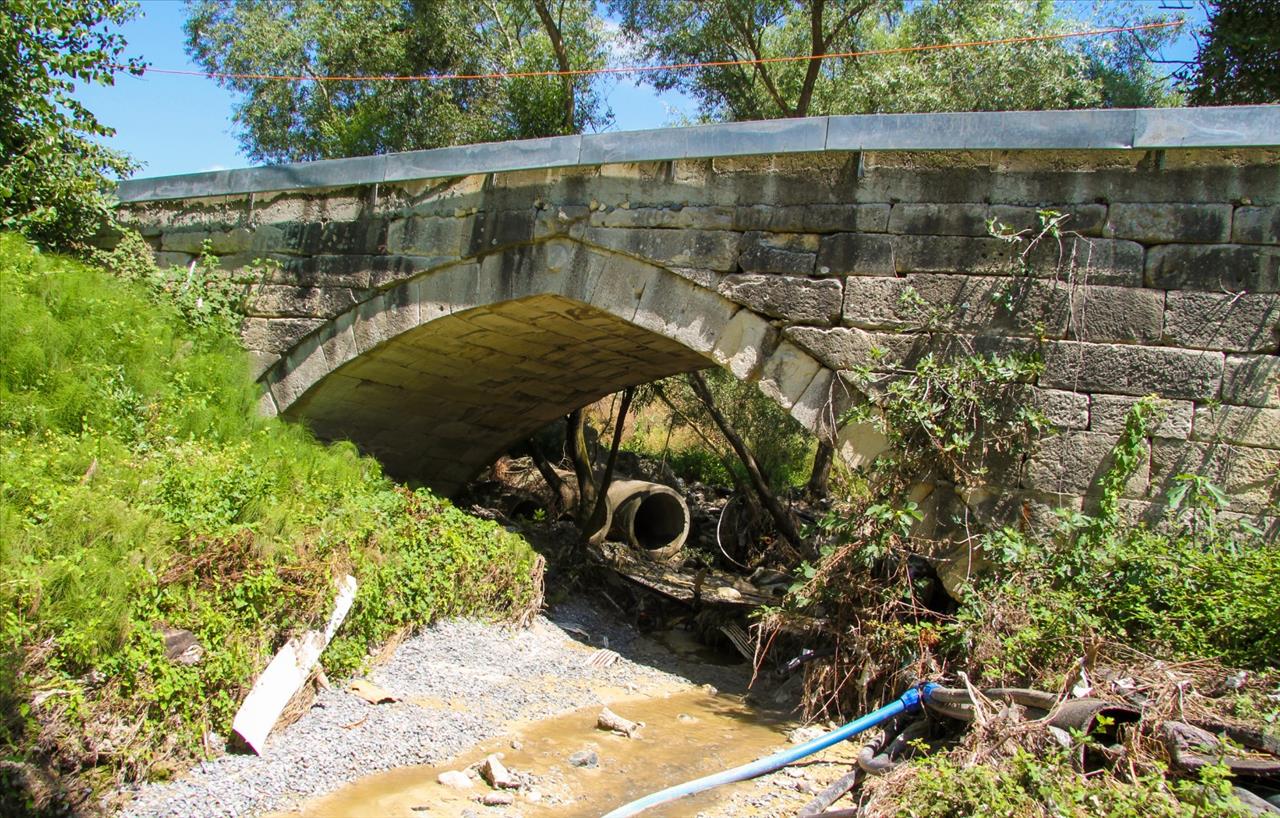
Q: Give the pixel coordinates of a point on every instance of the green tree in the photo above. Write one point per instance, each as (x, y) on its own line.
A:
(54, 178)
(296, 121)
(1027, 76)
(1238, 61)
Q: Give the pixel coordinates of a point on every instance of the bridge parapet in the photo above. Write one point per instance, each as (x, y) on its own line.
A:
(789, 265)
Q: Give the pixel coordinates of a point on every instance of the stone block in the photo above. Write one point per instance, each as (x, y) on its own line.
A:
(1116, 315)
(277, 335)
(491, 229)
(1072, 463)
(1244, 425)
(1164, 223)
(1107, 414)
(1097, 261)
(221, 242)
(170, 259)
(1256, 225)
(435, 236)
(845, 348)
(1244, 322)
(344, 238)
(858, 254)
(1214, 267)
(1085, 219)
(952, 254)
(278, 300)
(744, 343)
(1132, 370)
(1023, 306)
(787, 373)
(785, 253)
(710, 249)
(1252, 380)
(1065, 410)
(1247, 475)
(940, 219)
(697, 218)
(814, 218)
(796, 300)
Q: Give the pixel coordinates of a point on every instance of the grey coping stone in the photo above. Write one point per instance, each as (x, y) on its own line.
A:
(1213, 127)
(1234, 126)
(1008, 130)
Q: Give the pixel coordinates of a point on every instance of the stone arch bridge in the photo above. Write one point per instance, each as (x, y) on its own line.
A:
(436, 307)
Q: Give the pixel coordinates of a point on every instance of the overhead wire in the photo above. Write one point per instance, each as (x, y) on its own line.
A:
(638, 69)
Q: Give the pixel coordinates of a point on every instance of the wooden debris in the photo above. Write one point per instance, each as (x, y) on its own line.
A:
(609, 720)
(370, 692)
(288, 671)
(601, 659)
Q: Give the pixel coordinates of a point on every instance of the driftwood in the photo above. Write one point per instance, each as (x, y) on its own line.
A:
(288, 671)
(609, 720)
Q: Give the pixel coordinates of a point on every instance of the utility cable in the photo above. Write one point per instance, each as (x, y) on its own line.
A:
(638, 69)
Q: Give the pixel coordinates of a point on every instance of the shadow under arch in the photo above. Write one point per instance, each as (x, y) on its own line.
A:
(438, 375)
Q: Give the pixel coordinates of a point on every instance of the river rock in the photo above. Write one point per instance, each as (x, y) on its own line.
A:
(585, 758)
(454, 779)
(498, 776)
(498, 799)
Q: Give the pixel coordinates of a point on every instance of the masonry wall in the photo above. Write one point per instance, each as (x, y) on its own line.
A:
(1167, 283)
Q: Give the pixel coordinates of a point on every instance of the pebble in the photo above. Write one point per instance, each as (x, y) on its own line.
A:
(585, 758)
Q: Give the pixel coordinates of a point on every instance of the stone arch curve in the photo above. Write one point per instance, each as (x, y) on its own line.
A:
(439, 374)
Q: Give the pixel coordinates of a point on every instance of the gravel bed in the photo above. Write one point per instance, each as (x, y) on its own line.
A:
(462, 682)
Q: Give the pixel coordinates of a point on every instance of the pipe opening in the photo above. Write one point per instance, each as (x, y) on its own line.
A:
(658, 522)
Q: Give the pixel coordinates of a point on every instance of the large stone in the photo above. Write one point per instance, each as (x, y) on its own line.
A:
(845, 348)
(1252, 380)
(1072, 463)
(277, 335)
(428, 236)
(856, 254)
(710, 249)
(797, 300)
(274, 300)
(1247, 475)
(1214, 267)
(1065, 410)
(1116, 315)
(1256, 225)
(786, 253)
(1245, 425)
(1107, 414)
(1132, 370)
(940, 219)
(1244, 322)
(815, 218)
(1163, 223)
(348, 238)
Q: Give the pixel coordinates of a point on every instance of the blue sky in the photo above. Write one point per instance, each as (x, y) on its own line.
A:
(182, 124)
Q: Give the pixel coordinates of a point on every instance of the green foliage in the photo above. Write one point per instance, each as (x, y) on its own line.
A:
(960, 414)
(53, 174)
(782, 447)
(139, 487)
(294, 121)
(1238, 62)
(1025, 785)
(1189, 588)
(1026, 76)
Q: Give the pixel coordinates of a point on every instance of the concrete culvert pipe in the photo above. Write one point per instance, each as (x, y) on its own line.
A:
(649, 517)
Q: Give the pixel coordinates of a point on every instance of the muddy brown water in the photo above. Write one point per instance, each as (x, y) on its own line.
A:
(687, 734)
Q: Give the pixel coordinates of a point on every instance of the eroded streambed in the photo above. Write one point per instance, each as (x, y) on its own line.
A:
(468, 689)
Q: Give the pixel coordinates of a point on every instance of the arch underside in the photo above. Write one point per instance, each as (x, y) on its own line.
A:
(439, 375)
(442, 401)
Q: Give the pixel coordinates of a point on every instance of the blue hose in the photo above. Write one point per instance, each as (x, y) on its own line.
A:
(909, 702)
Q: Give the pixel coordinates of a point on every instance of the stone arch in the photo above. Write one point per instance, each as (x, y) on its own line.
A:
(441, 373)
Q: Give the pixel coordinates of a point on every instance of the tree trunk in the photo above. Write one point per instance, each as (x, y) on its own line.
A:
(577, 441)
(818, 478)
(562, 59)
(781, 518)
(595, 523)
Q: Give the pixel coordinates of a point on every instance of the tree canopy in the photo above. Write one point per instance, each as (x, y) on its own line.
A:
(54, 178)
(294, 121)
(1238, 62)
(1042, 75)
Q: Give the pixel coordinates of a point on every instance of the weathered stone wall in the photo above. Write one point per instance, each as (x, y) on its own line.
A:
(790, 269)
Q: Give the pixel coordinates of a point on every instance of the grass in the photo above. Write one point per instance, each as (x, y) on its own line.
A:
(139, 488)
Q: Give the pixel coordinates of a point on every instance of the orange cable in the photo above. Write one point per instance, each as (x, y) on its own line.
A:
(635, 69)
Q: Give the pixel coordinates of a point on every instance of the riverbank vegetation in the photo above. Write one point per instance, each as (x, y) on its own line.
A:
(142, 490)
